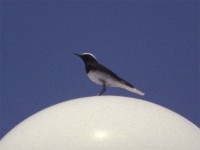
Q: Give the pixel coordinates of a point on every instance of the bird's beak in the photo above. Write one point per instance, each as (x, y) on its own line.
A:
(77, 54)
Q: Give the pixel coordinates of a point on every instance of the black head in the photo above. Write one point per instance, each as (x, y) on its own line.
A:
(89, 60)
(87, 57)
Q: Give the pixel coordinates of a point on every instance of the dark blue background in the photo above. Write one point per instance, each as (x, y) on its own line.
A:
(153, 45)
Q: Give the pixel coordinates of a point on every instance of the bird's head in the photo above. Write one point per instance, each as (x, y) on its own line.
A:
(86, 57)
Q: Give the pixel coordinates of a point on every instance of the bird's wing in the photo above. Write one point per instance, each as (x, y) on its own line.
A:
(101, 67)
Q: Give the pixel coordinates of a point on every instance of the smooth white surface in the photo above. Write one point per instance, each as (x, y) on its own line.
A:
(104, 123)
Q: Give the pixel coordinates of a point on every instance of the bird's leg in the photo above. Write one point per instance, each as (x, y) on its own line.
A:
(103, 90)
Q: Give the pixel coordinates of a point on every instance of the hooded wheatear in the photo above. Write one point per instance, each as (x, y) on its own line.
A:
(103, 76)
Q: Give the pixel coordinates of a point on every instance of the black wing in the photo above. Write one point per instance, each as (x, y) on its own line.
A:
(103, 68)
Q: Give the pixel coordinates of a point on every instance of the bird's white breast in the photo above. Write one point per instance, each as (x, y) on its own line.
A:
(102, 78)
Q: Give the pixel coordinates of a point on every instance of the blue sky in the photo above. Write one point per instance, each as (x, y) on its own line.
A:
(153, 45)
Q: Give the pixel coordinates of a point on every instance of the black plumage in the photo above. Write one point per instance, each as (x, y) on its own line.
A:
(103, 76)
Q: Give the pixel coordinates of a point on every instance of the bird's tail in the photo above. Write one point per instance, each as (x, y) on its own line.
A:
(134, 90)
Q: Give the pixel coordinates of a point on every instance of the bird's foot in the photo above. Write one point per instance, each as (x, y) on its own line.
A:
(102, 91)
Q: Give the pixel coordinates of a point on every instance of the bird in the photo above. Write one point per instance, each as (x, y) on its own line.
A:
(101, 75)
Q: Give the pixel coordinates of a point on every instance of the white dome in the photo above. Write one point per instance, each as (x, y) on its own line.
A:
(103, 123)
